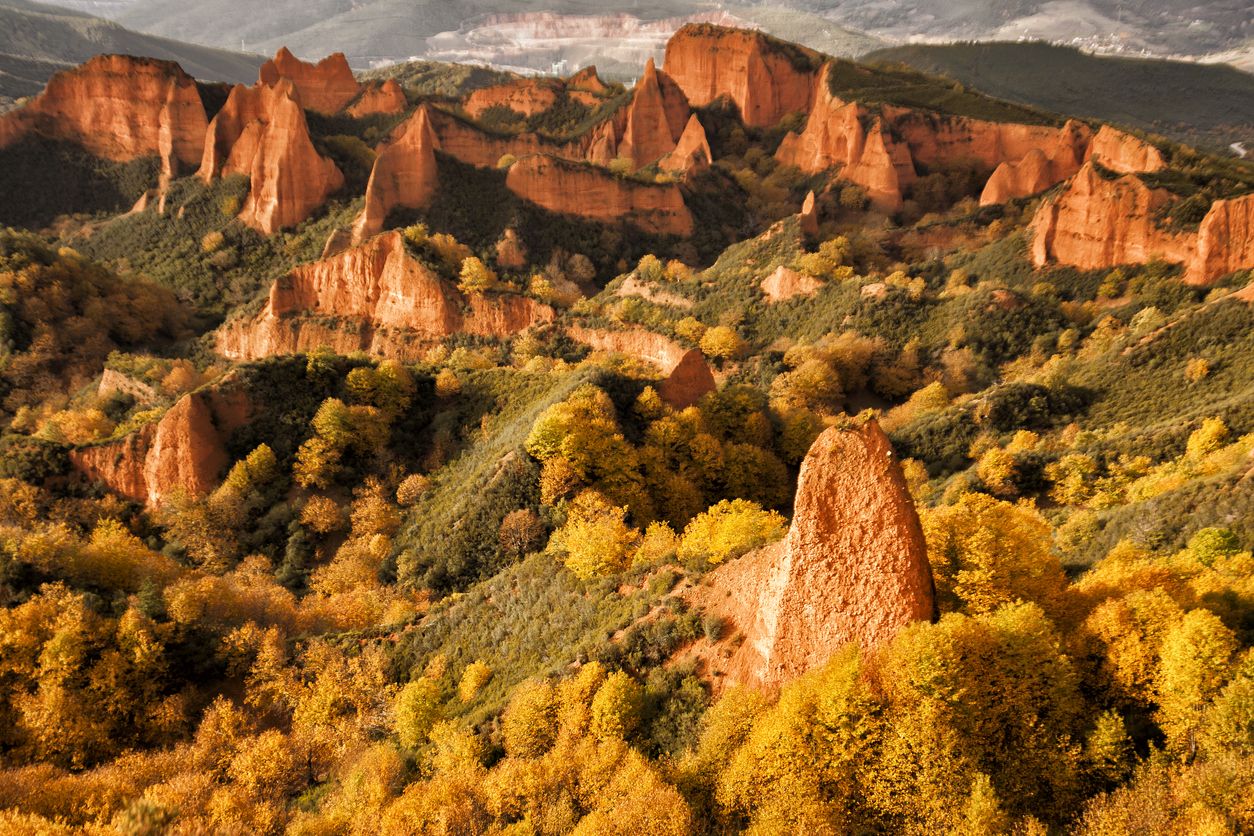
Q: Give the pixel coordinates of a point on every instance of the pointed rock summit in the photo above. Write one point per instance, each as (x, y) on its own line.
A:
(648, 136)
(261, 132)
(692, 153)
(853, 567)
(325, 87)
(404, 174)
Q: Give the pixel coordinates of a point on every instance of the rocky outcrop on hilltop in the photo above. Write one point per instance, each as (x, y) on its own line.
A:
(765, 78)
(596, 194)
(120, 108)
(404, 174)
(325, 87)
(375, 298)
(386, 99)
(785, 284)
(261, 132)
(692, 152)
(183, 451)
(881, 150)
(588, 81)
(528, 96)
(687, 375)
(853, 567)
(1124, 153)
(1101, 221)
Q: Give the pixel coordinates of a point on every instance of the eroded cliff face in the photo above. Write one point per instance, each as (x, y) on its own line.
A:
(688, 382)
(183, 451)
(785, 284)
(686, 374)
(380, 99)
(1099, 222)
(404, 174)
(120, 108)
(375, 298)
(1124, 153)
(594, 193)
(261, 132)
(757, 73)
(853, 567)
(1225, 241)
(882, 149)
(325, 87)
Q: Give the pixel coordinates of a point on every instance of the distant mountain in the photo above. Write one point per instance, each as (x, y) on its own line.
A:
(37, 40)
(522, 33)
(1161, 27)
(1206, 104)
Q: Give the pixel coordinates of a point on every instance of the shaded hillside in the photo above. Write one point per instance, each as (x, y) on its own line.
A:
(1203, 104)
(37, 40)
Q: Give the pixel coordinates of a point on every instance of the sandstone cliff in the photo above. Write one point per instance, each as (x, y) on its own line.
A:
(385, 99)
(1099, 222)
(184, 451)
(766, 79)
(687, 376)
(594, 193)
(325, 87)
(688, 382)
(375, 298)
(1124, 153)
(1225, 241)
(853, 567)
(119, 108)
(404, 174)
(261, 132)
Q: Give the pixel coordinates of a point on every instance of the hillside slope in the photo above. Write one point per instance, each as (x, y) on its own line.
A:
(36, 40)
(1204, 104)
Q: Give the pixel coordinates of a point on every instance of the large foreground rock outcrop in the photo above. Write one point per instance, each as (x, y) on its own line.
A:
(261, 132)
(1100, 221)
(590, 192)
(375, 298)
(404, 174)
(120, 108)
(184, 451)
(853, 567)
(325, 87)
(767, 79)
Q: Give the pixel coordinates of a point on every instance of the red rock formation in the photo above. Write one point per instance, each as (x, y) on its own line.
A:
(1098, 223)
(404, 174)
(261, 132)
(785, 284)
(528, 96)
(184, 451)
(325, 87)
(1225, 241)
(755, 71)
(587, 81)
(374, 298)
(590, 192)
(853, 568)
(688, 382)
(1124, 153)
(809, 216)
(649, 346)
(649, 135)
(1040, 168)
(119, 108)
(386, 99)
(474, 146)
(692, 153)
(510, 252)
